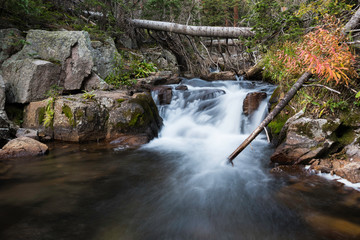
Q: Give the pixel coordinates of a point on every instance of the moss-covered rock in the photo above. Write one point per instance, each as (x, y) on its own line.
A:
(104, 117)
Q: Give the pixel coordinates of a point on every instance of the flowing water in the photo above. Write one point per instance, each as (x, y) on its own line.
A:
(179, 186)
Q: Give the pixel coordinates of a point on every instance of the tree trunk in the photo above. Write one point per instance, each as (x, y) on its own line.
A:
(353, 22)
(199, 31)
(283, 102)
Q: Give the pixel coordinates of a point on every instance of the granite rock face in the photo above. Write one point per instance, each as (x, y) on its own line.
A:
(29, 79)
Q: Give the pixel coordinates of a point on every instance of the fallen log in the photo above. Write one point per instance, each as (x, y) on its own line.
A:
(283, 102)
(199, 31)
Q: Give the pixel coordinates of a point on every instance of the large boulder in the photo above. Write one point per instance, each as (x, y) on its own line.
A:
(68, 58)
(104, 54)
(107, 115)
(29, 79)
(23, 147)
(252, 102)
(72, 50)
(306, 139)
(10, 43)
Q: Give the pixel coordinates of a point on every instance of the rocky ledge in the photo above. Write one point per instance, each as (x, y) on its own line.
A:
(105, 115)
(328, 145)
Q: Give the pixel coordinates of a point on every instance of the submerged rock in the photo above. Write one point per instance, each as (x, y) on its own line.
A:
(22, 147)
(164, 94)
(252, 102)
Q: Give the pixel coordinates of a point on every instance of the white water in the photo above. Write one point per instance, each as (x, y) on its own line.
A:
(207, 131)
(204, 192)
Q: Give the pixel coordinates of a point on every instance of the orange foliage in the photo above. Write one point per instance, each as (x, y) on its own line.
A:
(322, 52)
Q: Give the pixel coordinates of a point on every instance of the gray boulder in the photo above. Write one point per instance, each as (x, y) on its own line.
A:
(29, 79)
(10, 43)
(104, 55)
(306, 139)
(70, 49)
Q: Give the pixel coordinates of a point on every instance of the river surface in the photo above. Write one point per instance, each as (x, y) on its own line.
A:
(179, 186)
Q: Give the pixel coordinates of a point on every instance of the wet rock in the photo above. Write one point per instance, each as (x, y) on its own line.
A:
(350, 171)
(306, 139)
(225, 75)
(29, 80)
(205, 94)
(322, 165)
(22, 147)
(131, 141)
(10, 43)
(181, 88)
(30, 133)
(107, 116)
(252, 102)
(164, 94)
(138, 115)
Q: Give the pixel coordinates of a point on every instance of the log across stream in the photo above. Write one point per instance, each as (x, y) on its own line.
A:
(179, 186)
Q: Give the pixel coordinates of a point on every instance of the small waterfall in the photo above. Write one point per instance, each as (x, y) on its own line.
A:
(209, 116)
(204, 197)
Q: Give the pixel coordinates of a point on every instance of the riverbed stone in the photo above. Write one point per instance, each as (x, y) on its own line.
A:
(23, 147)
(29, 79)
(306, 139)
(252, 102)
(350, 171)
(164, 94)
(10, 43)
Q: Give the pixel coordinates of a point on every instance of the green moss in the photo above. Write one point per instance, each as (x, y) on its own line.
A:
(41, 115)
(120, 100)
(79, 114)
(347, 138)
(278, 123)
(305, 128)
(330, 126)
(68, 113)
(350, 118)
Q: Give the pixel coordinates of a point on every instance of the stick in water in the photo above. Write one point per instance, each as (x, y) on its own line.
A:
(283, 102)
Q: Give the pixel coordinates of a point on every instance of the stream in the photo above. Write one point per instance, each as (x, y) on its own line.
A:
(178, 186)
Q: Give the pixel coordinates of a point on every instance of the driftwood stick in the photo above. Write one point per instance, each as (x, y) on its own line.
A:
(319, 85)
(283, 102)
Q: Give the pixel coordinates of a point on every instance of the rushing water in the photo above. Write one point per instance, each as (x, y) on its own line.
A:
(178, 186)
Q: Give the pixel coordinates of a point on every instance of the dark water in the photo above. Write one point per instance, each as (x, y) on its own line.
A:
(178, 186)
(93, 192)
